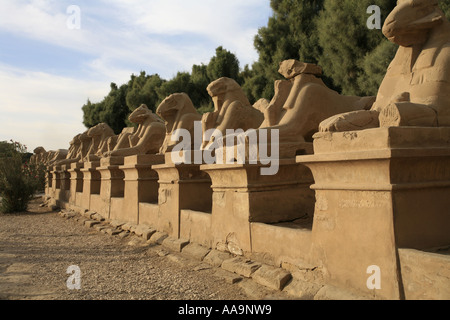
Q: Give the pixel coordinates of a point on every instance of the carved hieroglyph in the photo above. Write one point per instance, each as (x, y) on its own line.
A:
(179, 112)
(416, 88)
(232, 110)
(147, 139)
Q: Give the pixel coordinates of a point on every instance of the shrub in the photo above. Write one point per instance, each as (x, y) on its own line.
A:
(19, 181)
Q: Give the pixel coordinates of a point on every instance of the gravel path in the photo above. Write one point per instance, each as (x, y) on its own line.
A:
(37, 247)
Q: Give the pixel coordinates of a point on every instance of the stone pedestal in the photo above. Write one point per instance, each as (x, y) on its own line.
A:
(56, 183)
(64, 195)
(376, 191)
(241, 195)
(91, 183)
(76, 183)
(181, 187)
(49, 182)
(140, 185)
(112, 187)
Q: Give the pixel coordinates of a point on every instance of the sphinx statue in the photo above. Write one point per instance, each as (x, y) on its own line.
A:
(120, 141)
(38, 156)
(55, 156)
(147, 139)
(99, 136)
(301, 103)
(178, 112)
(74, 154)
(232, 110)
(416, 88)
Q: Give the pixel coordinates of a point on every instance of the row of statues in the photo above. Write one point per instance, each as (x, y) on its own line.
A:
(415, 92)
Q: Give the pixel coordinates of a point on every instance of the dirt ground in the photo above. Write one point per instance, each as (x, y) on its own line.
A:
(37, 247)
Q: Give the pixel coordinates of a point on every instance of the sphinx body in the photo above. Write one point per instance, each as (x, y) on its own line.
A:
(99, 136)
(416, 88)
(74, 154)
(301, 103)
(38, 156)
(232, 110)
(179, 112)
(147, 139)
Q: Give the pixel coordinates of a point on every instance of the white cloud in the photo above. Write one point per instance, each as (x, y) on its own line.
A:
(39, 108)
(120, 37)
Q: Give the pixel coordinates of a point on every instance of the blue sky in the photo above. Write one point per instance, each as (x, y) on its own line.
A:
(48, 70)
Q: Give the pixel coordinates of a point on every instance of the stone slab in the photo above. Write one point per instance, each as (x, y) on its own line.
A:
(90, 224)
(175, 244)
(228, 277)
(241, 266)
(216, 258)
(158, 237)
(425, 275)
(196, 251)
(302, 290)
(117, 223)
(271, 277)
(144, 231)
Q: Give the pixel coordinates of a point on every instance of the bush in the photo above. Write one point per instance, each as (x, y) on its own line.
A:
(19, 181)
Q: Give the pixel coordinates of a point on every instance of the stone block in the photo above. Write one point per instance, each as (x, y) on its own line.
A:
(117, 223)
(302, 290)
(241, 266)
(158, 237)
(216, 258)
(228, 277)
(90, 223)
(129, 227)
(175, 244)
(97, 217)
(89, 214)
(196, 251)
(144, 231)
(274, 278)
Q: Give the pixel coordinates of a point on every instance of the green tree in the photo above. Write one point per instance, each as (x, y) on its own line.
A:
(143, 90)
(349, 47)
(18, 180)
(289, 34)
(223, 64)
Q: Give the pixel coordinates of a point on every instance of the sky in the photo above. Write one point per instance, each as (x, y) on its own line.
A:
(57, 54)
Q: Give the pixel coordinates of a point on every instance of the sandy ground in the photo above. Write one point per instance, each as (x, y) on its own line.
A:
(37, 247)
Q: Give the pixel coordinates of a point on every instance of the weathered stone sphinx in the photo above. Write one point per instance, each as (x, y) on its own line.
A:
(55, 156)
(381, 175)
(74, 154)
(38, 156)
(99, 135)
(178, 112)
(232, 110)
(301, 103)
(416, 88)
(147, 139)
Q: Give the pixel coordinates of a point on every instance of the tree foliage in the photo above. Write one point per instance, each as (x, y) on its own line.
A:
(19, 180)
(151, 90)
